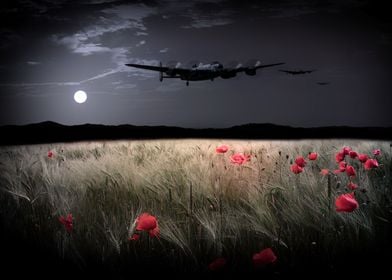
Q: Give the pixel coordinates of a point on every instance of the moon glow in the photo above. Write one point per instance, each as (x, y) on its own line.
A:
(80, 96)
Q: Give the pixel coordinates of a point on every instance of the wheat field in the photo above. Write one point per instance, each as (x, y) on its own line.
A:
(206, 206)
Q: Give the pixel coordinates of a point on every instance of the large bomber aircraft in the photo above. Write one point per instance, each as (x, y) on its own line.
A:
(202, 72)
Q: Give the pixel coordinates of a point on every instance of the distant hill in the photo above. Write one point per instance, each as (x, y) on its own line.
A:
(49, 132)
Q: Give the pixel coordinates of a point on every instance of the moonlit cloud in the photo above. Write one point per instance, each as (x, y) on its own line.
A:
(40, 84)
(208, 22)
(139, 74)
(290, 12)
(94, 2)
(116, 19)
(80, 42)
(119, 18)
(139, 33)
(209, 19)
(8, 38)
(33, 63)
(125, 86)
(136, 13)
(141, 43)
(90, 48)
(102, 75)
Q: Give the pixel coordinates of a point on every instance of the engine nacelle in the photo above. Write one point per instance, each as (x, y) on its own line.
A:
(228, 75)
(250, 72)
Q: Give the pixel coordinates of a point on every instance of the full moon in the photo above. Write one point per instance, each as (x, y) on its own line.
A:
(80, 96)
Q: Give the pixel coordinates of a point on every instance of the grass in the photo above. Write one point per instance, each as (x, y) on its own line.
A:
(206, 206)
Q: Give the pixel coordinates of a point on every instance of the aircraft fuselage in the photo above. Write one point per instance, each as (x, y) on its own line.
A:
(200, 75)
(201, 72)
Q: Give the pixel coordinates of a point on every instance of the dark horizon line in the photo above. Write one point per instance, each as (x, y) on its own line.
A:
(53, 123)
(52, 132)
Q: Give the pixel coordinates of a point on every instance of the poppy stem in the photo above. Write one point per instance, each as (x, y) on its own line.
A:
(190, 200)
(279, 233)
(190, 213)
(280, 168)
(329, 194)
(149, 247)
(221, 224)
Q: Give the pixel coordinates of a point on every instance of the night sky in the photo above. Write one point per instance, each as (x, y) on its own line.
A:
(50, 49)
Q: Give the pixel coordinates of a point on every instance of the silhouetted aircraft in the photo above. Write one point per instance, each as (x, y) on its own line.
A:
(323, 83)
(202, 72)
(298, 72)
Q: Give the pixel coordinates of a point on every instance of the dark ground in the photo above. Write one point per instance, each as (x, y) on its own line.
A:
(50, 132)
(22, 257)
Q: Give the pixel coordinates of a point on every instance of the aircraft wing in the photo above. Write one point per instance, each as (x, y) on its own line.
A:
(162, 69)
(286, 71)
(149, 67)
(268, 65)
(240, 69)
(297, 72)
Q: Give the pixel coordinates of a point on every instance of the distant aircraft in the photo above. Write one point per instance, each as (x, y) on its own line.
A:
(323, 83)
(298, 72)
(202, 72)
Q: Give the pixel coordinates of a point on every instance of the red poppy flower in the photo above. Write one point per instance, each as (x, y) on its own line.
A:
(313, 156)
(352, 186)
(363, 158)
(263, 258)
(155, 232)
(50, 154)
(346, 150)
(353, 154)
(346, 203)
(296, 169)
(134, 237)
(377, 152)
(239, 158)
(339, 157)
(337, 171)
(350, 171)
(342, 166)
(324, 171)
(147, 222)
(67, 222)
(222, 149)
(371, 163)
(300, 161)
(217, 264)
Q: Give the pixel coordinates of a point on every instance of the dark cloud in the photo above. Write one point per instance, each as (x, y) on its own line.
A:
(33, 63)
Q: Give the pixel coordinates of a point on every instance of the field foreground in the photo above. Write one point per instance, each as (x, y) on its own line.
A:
(78, 208)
